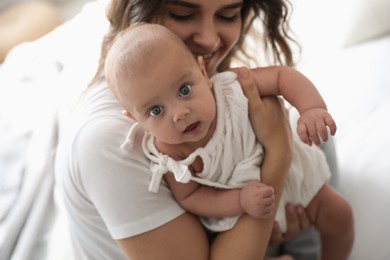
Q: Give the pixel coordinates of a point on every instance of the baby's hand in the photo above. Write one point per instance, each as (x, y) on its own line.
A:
(258, 200)
(313, 124)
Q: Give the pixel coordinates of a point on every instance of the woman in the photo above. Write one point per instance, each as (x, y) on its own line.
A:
(105, 189)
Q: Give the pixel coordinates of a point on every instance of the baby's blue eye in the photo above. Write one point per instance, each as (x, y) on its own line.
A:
(184, 90)
(156, 110)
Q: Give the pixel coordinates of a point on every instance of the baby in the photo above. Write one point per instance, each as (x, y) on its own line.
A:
(198, 130)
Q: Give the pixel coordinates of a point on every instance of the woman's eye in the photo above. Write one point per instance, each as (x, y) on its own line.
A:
(230, 15)
(181, 17)
(184, 90)
(156, 110)
(231, 18)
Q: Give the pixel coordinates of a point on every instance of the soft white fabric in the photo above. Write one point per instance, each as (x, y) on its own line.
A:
(323, 25)
(355, 83)
(368, 19)
(105, 188)
(232, 157)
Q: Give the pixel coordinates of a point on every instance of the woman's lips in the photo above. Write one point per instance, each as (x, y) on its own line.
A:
(207, 58)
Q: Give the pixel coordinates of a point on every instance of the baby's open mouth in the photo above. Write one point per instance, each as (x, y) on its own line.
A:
(191, 128)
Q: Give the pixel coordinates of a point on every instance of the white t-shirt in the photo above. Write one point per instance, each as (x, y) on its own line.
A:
(105, 188)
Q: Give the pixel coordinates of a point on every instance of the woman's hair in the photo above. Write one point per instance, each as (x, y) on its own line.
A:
(273, 15)
(274, 32)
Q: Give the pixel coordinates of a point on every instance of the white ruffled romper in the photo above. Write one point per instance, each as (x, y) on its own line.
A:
(233, 156)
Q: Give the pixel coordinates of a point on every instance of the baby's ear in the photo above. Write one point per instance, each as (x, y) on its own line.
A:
(127, 114)
(202, 66)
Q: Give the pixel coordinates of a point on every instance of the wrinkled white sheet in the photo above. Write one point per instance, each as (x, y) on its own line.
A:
(39, 82)
(28, 137)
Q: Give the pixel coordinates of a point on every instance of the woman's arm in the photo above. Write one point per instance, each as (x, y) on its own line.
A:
(270, 123)
(271, 127)
(180, 238)
(297, 219)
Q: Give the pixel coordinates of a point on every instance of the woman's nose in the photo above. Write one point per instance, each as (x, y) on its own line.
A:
(206, 35)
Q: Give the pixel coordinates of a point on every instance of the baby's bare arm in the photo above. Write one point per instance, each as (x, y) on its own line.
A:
(255, 199)
(300, 92)
(199, 199)
(204, 200)
(297, 89)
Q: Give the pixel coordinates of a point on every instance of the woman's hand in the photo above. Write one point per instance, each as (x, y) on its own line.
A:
(268, 116)
(297, 221)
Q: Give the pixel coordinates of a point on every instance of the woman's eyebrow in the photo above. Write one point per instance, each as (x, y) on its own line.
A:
(185, 4)
(238, 4)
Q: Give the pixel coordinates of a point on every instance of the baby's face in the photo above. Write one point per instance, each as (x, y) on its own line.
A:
(173, 99)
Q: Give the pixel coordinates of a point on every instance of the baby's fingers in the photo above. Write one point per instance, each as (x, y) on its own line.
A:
(325, 126)
(314, 134)
(322, 130)
(267, 211)
(303, 133)
(329, 121)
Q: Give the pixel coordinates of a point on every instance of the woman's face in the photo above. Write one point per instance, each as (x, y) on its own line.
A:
(210, 28)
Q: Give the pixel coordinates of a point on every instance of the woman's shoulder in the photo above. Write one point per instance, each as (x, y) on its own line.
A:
(94, 151)
(97, 126)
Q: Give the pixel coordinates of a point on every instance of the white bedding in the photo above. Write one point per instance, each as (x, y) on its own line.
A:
(355, 82)
(351, 68)
(356, 85)
(38, 83)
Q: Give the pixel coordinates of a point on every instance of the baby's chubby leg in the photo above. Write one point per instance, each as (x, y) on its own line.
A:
(332, 216)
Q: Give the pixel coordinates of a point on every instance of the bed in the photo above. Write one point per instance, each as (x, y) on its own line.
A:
(345, 52)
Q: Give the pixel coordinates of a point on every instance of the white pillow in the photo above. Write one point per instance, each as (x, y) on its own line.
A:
(369, 19)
